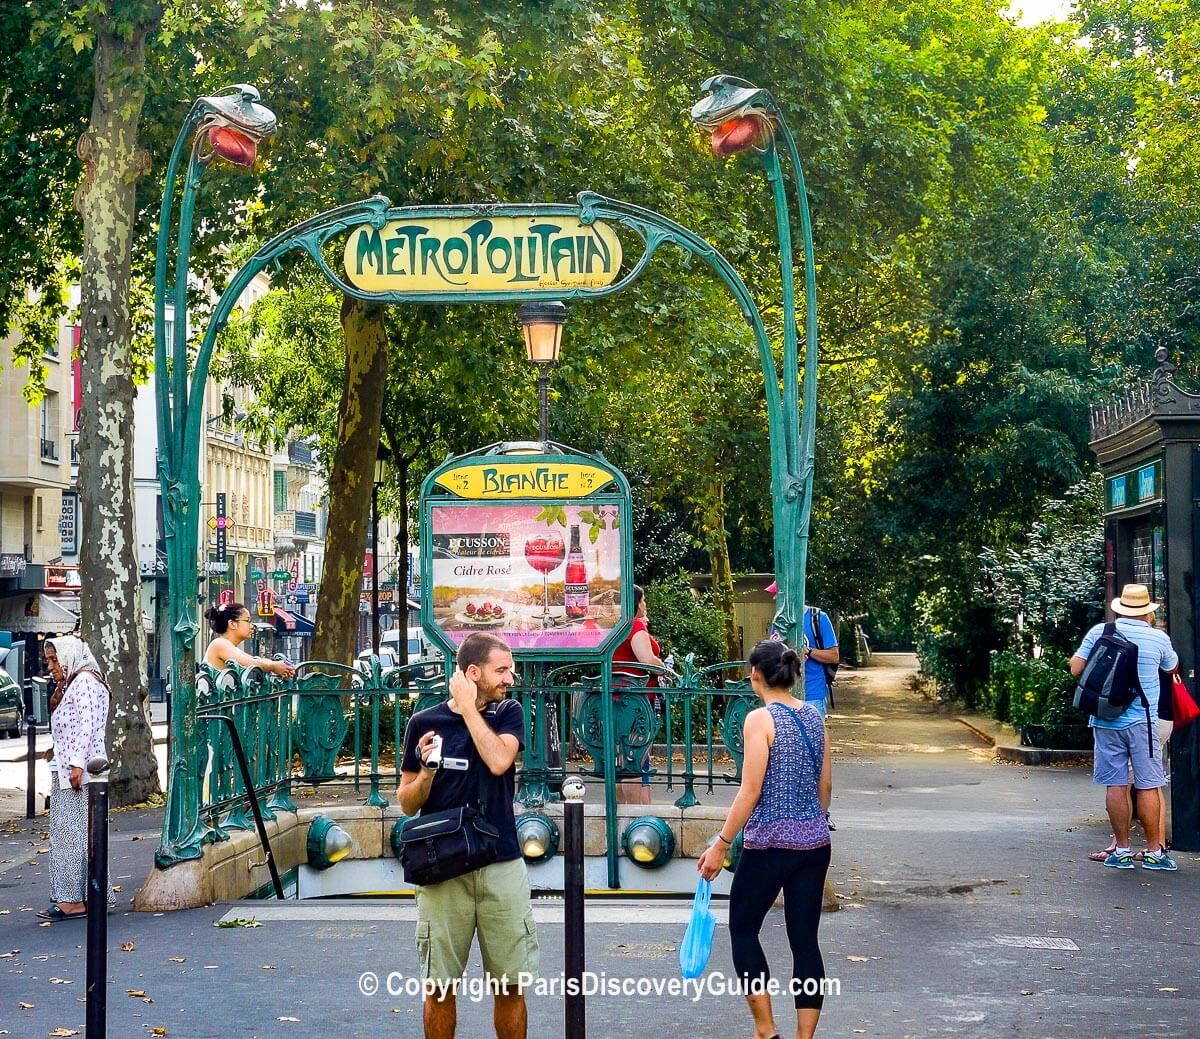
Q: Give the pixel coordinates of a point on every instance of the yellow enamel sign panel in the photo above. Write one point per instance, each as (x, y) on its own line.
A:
(506, 480)
(482, 254)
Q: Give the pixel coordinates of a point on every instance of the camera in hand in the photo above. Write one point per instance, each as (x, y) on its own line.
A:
(434, 760)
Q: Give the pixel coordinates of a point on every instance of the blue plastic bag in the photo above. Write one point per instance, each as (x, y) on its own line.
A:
(697, 942)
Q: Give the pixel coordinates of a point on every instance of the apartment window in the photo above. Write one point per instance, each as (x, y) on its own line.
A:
(39, 507)
(50, 427)
(280, 491)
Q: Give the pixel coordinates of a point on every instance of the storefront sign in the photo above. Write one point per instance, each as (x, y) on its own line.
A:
(68, 523)
(482, 254)
(59, 577)
(222, 522)
(12, 564)
(281, 575)
(508, 480)
(1135, 487)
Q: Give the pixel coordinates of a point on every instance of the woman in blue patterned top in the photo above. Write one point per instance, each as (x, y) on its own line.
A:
(782, 801)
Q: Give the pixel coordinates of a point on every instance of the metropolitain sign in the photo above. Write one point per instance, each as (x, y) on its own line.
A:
(482, 254)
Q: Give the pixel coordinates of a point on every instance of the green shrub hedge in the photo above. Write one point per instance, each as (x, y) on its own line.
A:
(1035, 696)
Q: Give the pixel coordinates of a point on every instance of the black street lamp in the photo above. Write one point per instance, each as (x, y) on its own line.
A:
(381, 460)
(542, 324)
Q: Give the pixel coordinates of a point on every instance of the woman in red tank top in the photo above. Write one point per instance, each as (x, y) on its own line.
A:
(639, 648)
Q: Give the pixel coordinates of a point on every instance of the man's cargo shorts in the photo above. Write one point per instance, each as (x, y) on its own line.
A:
(493, 902)
(1118, 749)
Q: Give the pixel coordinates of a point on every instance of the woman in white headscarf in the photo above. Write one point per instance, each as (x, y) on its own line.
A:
(77, 725)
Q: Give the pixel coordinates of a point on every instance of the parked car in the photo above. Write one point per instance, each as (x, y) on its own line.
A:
(12, 706)
(420, 651)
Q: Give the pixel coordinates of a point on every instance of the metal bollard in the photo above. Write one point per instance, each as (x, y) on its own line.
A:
(96, 993)
(30, 753)
(572, 795)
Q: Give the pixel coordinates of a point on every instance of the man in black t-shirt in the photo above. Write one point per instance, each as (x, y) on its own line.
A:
(482, 732)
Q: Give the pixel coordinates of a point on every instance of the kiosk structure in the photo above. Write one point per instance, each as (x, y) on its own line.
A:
(1148, 447)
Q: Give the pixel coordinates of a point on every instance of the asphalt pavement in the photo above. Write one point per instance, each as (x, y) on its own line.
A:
(969, 909)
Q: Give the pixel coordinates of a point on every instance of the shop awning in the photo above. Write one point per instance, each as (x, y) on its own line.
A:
(39, 614)
(292, 623)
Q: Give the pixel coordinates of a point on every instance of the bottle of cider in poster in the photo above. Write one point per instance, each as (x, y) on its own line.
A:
(575, 596)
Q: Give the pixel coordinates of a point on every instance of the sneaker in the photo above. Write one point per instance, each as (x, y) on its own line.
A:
(1120, 861)
(1158, 860)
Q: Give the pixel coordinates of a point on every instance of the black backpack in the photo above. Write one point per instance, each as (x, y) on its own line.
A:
(1109, 682)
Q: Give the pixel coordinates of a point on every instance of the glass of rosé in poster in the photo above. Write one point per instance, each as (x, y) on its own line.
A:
(545, 552)
(500, 568)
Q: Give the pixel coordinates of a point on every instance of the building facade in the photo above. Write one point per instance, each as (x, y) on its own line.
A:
(39, 588)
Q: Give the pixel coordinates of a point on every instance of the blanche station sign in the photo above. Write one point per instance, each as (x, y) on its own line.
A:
(482, 254)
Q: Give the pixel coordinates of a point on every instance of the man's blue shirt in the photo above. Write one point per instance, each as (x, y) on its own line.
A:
(815, 686)
(1155, 652)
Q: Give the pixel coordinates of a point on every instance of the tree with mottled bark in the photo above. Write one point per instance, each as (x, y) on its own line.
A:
(111, 597)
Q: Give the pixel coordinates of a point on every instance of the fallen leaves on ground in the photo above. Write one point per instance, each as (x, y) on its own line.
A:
(178, 959)
(60, 981)
(63, 1032)
(136, 993)
(859, 959)
(237, 922)
(27, 1006)
(128, 946)
(296, 1019)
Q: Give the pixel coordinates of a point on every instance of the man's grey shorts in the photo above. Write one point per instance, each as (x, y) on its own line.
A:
(1117, 749)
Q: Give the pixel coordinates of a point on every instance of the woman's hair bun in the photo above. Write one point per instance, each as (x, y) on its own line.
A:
(777, 662)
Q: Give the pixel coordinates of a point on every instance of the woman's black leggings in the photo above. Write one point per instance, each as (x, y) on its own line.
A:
(761, 875)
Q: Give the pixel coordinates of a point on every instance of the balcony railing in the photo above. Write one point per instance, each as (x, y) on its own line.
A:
(302, 524)
(49, 451)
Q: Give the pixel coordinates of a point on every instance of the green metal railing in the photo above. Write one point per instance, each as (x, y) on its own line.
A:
(337, 725)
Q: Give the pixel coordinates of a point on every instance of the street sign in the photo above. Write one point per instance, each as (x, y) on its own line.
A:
(281, 575)
(256, 575)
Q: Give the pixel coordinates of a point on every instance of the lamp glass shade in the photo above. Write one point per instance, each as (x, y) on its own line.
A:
(542, 342)
(381, 464)
(233, 145)
(542, 324)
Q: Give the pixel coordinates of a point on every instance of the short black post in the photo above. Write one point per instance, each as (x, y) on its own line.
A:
(572, 795)
(96, 994)
(30, 753)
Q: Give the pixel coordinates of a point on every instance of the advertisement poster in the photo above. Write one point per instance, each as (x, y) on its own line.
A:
(542, 577)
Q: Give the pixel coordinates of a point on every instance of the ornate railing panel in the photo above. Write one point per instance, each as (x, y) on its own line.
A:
(334, 724)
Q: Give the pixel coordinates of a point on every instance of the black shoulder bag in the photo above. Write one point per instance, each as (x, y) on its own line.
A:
(444, 845)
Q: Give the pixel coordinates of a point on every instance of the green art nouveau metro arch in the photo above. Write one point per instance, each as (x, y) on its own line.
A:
(180, 396)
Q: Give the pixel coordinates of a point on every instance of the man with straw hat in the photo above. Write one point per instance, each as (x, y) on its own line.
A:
(1125, 743)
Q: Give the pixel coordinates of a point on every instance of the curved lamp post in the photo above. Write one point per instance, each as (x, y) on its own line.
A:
(229, 124)
(743, 117)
